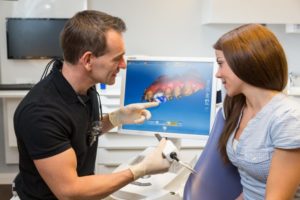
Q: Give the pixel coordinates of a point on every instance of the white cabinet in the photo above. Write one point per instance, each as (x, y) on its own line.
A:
(294, 91)
(254, 11)
(293, 87)
(11, 99)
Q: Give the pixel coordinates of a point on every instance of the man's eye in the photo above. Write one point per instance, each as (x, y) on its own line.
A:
(117, 59)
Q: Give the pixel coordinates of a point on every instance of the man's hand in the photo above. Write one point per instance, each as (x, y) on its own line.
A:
(153, 163)
(131, 114)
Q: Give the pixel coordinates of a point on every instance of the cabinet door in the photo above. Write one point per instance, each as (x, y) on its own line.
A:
(11, 150)
(254, 11)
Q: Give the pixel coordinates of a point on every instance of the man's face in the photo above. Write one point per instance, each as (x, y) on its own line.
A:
(106, 67)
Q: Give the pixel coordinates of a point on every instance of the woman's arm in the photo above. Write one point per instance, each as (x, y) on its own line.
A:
(284, 176)
(240, 197)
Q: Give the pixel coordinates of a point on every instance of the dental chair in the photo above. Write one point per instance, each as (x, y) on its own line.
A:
(215, 179)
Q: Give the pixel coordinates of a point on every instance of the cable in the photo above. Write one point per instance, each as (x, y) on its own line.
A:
(174, 156)
(45, 73)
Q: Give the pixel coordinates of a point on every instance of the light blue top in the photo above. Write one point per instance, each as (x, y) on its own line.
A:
(276, 125)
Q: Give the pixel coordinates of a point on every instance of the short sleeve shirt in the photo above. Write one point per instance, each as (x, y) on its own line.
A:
(49, 120)
(277, 125)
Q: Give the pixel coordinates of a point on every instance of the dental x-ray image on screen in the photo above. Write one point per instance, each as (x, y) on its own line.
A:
(185, 89)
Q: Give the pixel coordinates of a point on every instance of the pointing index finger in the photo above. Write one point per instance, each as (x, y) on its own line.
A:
(150, 104)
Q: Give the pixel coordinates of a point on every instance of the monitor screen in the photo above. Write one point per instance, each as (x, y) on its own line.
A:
(185, 88)
(34, 38)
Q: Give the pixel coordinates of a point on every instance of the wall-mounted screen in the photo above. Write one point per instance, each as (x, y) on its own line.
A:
(34, 38)
(185, 88)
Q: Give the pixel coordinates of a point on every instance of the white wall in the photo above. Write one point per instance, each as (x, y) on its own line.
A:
(174, 28)
(163, 28)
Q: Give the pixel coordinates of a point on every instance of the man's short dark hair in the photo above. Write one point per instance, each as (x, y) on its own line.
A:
(86, 31)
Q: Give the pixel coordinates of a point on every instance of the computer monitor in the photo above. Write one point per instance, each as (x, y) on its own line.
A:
(185, 88)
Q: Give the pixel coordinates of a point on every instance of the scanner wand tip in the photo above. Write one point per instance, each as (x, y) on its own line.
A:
(188, 167)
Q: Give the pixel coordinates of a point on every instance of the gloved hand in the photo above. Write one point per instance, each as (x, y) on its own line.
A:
(131, 114)
(154, 163)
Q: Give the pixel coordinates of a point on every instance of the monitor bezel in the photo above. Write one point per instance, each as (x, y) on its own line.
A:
(26, 56)
(171, 134)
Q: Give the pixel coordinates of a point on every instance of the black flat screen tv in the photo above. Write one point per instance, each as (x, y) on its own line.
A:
(34, 38)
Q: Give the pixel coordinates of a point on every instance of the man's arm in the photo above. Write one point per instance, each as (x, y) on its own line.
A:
(59, 173)
(106, 124)
(131, 114)
(284, 176)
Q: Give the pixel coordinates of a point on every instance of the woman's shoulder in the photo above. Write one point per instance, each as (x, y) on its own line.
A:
(286, 106)
(285, 123)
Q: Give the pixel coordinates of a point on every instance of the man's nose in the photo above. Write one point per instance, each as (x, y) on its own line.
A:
(122, 63)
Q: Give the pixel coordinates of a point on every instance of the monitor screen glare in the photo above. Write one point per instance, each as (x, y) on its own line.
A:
(185, 89)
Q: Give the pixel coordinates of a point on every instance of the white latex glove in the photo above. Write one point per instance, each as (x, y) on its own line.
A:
(131, 114)
(153, 163)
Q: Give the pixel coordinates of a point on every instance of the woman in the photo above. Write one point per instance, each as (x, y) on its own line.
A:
(262, 129)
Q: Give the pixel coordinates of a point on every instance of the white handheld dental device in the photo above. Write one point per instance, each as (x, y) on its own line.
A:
(170, 152)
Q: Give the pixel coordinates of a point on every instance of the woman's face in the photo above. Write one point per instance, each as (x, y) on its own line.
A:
(231, 82)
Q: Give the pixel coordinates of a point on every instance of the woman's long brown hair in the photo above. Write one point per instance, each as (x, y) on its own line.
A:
(255, 55)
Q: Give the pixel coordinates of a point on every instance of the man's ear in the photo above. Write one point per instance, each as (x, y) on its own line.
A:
(85, 60)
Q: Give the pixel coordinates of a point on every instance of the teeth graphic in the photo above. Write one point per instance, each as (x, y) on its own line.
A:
(166, 88)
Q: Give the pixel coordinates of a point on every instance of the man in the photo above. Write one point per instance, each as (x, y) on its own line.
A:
(58, 122)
